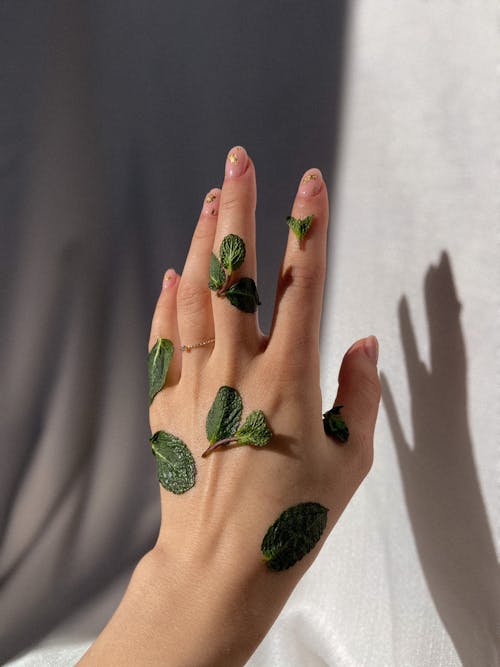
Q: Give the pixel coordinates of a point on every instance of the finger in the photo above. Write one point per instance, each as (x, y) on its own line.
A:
(194, 306)
(299, 296)
(359, 394)
(164, 323)
(235, 328)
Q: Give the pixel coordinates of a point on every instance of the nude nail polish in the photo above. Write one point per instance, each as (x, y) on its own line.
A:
(311, 183)
(169, 279)
(211, 203)
(236, 162)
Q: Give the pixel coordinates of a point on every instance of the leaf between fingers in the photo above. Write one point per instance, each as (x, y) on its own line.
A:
(217, 275)
(243, 294)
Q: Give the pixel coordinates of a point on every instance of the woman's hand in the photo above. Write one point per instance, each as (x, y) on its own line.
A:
(203, 595)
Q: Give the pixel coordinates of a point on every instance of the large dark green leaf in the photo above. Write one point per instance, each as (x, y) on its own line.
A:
(217, 276)
(232, 252)
(158, 362)
(294, 533)
(175, 463)
(224, 416)
(334, 424)
(243, 294)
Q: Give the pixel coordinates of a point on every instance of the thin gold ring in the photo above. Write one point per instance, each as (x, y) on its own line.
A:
(188, 348)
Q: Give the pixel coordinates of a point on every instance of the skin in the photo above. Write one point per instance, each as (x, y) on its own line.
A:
(203, 596)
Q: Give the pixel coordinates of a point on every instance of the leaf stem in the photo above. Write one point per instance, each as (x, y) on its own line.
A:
(219, 443)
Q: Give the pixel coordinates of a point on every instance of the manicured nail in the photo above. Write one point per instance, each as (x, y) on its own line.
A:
(211, 203)
(169, 279)
(236, 162)
(310, 183)
(371, 348)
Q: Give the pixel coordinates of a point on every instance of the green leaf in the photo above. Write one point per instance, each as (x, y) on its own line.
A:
(293, 535)
(334, 424)
(158, 362)
(254, 431)
(232, 252)
(224, 416)
(217, 276)
(174, 462)
(300, 226)
(243, 294)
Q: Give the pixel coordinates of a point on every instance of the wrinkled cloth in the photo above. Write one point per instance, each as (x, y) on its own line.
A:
(398, 104)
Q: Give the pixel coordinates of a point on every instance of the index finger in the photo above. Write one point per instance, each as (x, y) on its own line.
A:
(299, 296)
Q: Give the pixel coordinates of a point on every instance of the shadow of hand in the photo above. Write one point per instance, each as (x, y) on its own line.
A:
(440, 482)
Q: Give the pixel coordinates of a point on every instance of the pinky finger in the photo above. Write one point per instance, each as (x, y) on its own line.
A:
(164, 323)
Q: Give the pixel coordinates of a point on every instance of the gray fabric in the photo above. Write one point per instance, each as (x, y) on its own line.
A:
(116, 117)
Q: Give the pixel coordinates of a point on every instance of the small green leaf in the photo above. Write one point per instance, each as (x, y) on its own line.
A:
(158, 362)
(174, 462)
(217, 276)
(254, 431)
(224, 416)
(299, 226)
(243, 294)
(232, 252)
(334, 424)
(293, 535)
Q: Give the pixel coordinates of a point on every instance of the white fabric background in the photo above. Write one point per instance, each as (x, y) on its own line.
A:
(409, 576)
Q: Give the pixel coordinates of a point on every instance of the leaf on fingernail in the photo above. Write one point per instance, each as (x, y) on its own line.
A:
(299, 226)
(224, 416)
(243, 294)
(334, 424)
(158, 362)
(232, 252)
(294, 533)
(254, 431)
(175, 464)
(217, 275)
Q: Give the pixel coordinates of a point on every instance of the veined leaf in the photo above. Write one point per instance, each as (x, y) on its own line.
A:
(217, 275)
(254, 430)
(158, 362)
(232, 252)
(224, 416)
(243, 294)
(299, 226)
(294, 533)
(334, 424)
(175, 463)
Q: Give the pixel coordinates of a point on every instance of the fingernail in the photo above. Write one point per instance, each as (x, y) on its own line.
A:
(211, 203)
(310, 183)
(371, 348)
(169, 279)
(236, 162)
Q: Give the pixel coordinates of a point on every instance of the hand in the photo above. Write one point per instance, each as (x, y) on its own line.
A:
(211, 598)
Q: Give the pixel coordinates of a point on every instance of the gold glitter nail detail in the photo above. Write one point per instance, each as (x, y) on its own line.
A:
(233, 158)
(210, 198)
(309, 177)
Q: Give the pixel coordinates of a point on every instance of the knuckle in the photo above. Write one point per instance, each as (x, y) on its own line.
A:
(231, 205)
(203, 232)
(191, 297)
(306, 278)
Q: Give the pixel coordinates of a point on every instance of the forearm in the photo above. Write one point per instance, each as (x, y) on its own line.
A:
(175, 617)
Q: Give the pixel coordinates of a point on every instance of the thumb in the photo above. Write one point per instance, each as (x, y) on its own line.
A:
(359, 393)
